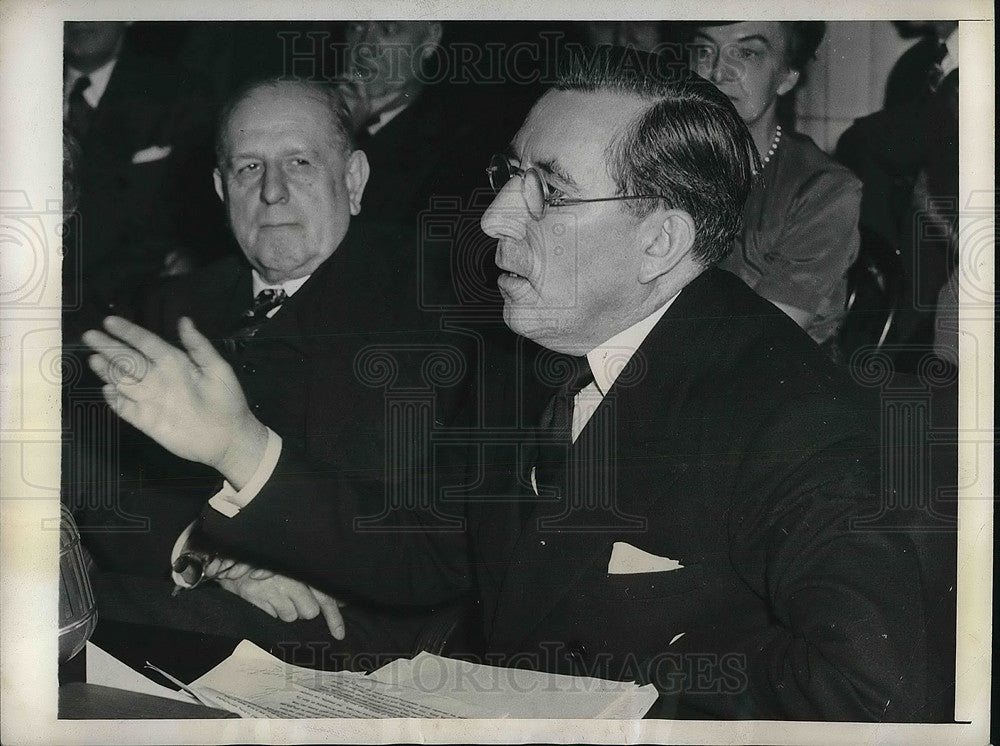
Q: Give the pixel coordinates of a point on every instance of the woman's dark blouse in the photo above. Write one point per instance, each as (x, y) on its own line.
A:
(800, 233)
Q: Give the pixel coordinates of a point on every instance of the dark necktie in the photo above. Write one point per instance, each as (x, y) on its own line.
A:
(556, 423)
(255, 316)
(80, 113)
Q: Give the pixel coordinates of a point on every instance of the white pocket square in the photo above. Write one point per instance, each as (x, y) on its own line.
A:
(627, 560)
(152, 153)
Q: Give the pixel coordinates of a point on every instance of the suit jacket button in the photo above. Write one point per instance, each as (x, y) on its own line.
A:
(577, 654)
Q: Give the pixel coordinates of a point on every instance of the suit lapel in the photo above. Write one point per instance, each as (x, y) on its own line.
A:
(215, 304)
(637, 421)
(566, 540)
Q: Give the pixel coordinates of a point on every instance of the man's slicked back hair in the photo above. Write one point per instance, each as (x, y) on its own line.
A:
(340, 116)
(689, 146)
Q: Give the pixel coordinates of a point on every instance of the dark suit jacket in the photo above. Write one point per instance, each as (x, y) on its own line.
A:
(430, 149)
(324, 373)
(426, 165)
(299, 371)
(134, 210)
(911, 76)
(302, 376)
(729, 445)
(907, 159)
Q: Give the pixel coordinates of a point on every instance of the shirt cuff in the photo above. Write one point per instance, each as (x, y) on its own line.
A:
(229, 501)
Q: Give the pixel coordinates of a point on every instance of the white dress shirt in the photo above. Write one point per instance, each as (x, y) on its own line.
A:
(950, 60)
(385, 117)
(289, 286)
(99, 79)
(607, 361)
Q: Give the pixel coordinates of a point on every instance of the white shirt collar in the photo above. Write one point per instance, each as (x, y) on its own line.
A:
(950, 61)
(289, 286)
(608, 360)
(99, 79)
(385, 117)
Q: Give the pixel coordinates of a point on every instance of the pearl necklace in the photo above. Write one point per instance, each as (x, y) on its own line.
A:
(774, 145)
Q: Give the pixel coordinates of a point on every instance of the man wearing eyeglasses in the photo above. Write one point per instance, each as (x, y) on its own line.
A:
(669, 489)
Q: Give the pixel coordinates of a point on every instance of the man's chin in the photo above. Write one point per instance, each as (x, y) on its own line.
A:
(278, 267)
(538, 325)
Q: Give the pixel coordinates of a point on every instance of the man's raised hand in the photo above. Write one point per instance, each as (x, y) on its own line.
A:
(188, 400)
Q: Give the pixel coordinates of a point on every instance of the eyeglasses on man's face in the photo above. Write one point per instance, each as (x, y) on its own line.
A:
(535, 190)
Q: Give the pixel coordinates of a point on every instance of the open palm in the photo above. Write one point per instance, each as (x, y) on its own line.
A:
(188, 400)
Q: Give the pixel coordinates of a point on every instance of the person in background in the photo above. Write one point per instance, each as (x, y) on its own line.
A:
(918, 70)
(311, 292)
(426, 128)
(146, 211)
(906, 155)
(415, 129)
(800, 233)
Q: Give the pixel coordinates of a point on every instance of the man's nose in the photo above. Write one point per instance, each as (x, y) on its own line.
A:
(274, 188)
(507, 215)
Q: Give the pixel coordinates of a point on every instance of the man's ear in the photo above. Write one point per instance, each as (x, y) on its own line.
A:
(669, 238)
(219, 187)
(791, 80)
(356, 177)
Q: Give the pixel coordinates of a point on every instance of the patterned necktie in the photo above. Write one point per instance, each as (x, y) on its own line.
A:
(255, 316)
(556, 423)
(80, 113)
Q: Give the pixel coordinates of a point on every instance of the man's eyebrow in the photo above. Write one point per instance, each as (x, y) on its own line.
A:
(287, 152)
(552, 167)
(549, 166)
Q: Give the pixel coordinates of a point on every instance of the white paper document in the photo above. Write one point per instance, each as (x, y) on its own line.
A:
(106, 670)
(494, 692)
(253, 683)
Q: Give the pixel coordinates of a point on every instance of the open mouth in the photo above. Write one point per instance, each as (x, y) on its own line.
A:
(504, 259)
(511, 276)
(512, 282)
